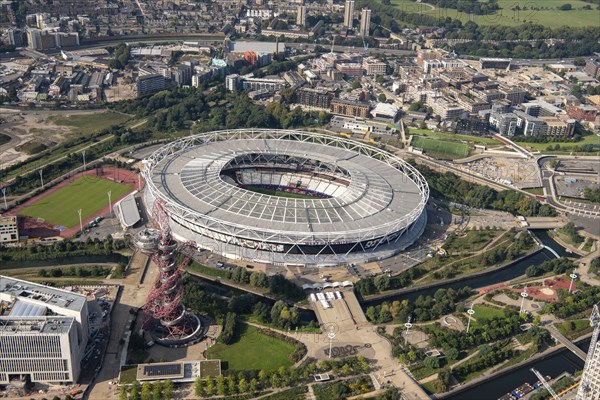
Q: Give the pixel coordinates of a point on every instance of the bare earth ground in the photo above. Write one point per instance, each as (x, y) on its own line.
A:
(25, 126)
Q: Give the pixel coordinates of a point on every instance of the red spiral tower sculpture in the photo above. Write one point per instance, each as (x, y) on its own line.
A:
(167, 319)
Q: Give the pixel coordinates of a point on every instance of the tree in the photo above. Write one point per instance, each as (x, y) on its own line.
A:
(565, 7)
(451, 353)
(123, 393)
(157, 390)
(382, 282)
(221, 390)
(198, 389)
(209, 389)
(382, 98)
(242, 385)
(168, 389)
(135, 391)
(432, 362)
(231, 386)
(253, 385)
(146, 391)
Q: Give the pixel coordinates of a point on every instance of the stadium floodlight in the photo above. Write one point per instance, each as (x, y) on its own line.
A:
(470, 311)
(331, 336)
(109, 203)
(524, 295)
(41, 171)
(4, 195)
(80, 221)
(573, 277)
(84, 163)
(408, 325)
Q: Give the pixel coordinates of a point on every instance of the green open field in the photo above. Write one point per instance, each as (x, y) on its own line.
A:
(90, 123)
(590, 139)
(545, 13)
(87, 192)
(278, 193)
(453, 136)
(253, 350)
(487, 312)
(441, 147)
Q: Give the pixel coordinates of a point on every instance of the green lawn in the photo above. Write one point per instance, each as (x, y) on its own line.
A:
(441, 147)
(536, 191)
(483, 311)
(589, 139)
(453, 136)
(278, 193)
(87, 192)
(90, 123)
(253, 351)
(547, 15)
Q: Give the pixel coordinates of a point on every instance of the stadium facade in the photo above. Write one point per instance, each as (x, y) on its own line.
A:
(287, 197)
(43, 332)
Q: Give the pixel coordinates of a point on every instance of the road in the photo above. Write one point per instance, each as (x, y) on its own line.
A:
(133, 296)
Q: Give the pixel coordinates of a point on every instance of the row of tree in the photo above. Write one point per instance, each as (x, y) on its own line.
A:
(451, 187)
(572, 303)
(240, 382)
(485, 331)
(591, 194)
(62, 249)
(158, 390)
(424, 308)
(229, 328)
(93, 271)
(556, 266)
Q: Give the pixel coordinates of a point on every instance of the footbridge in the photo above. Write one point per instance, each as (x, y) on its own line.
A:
(568, 344)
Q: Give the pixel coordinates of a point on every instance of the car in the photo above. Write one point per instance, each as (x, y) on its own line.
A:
(219, 265)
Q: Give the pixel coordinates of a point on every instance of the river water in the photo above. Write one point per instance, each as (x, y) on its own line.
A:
(563, 361)
(503, 275)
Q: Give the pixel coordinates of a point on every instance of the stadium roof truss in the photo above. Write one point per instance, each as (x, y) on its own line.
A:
(189, 183)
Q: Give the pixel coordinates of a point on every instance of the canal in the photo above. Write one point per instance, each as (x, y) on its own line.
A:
(556, 364)
(503, 275)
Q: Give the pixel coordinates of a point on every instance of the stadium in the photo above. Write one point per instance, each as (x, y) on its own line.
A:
(287, 197)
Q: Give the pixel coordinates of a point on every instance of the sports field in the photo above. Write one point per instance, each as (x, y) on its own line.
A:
(441, 147)
(87, 192)
(545, 12)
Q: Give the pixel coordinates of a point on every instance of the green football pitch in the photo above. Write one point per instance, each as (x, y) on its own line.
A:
(87, 192)
(441, 147)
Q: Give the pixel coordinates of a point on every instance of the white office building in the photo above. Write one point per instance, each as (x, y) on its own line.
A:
(43, 332)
